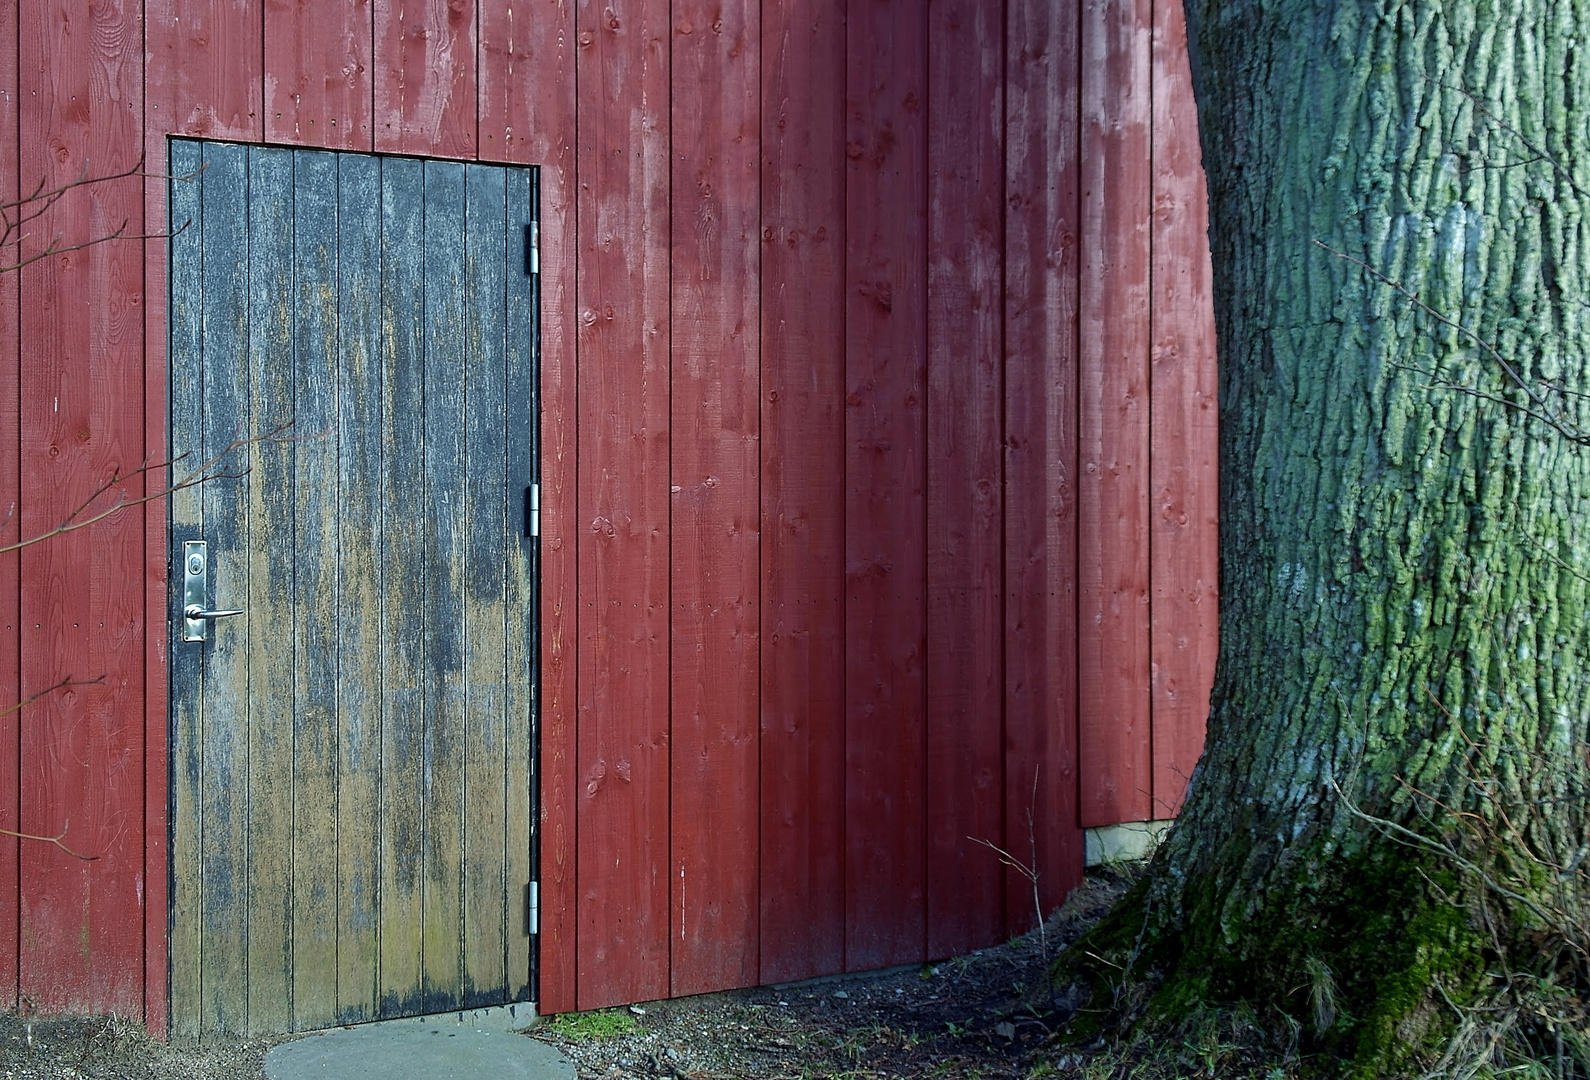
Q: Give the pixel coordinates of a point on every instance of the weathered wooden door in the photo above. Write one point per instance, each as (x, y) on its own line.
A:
(352, 755)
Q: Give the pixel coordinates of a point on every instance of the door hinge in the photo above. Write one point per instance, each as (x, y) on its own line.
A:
(532, 908)
(532, 510)
(532, 249)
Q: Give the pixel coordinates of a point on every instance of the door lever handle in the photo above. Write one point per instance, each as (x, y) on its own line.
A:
(195, 590)
(194, 611)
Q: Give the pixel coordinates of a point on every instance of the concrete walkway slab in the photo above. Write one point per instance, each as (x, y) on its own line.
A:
(405, 1050)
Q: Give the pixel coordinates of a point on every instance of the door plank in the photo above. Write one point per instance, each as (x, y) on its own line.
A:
(803, 491)
(314, 542)
(222, 399)
(361, 585)
(267, 715)
(446, 548)
(485, 552)
(403, 704)
(520, 398)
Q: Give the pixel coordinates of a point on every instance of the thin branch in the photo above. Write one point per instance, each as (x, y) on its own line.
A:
(56, 840)
(1538, 151)
(1540, 404)
(1418, 840)
(63, 684)
(206, 472)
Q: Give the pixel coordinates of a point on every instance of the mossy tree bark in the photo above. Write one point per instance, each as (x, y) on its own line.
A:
(1404, 558)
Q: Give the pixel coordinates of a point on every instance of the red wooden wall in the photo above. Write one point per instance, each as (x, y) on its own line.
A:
(878, 477)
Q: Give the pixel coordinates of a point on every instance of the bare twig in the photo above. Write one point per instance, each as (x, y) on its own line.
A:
(56, 840)
(1028, 871)
(1539, 407)
(60, 684)
(80, 518)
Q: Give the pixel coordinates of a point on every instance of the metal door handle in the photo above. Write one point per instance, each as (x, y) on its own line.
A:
(195, 589)
(194, 611)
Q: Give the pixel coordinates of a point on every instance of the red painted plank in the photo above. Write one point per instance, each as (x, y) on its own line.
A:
(83, 607)
(425, 77)
(965, 516)
(1185, 450)
(532, 119)
(802, 473)
(317, 73)
(526, 79)
(885, 476)
(205, 69)
(163, 34)
(622, 294)
(10, 531)
(1113, 486)
(1042, 225)
(716, 528)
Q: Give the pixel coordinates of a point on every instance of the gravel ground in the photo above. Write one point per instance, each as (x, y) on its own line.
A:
(988, 1016)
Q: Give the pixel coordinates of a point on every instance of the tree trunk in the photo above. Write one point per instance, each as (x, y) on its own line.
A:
(1404, 551)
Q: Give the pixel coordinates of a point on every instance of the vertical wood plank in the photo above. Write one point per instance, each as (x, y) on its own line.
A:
(271, 480)
(187, 522)
(521, 406)
(204, 69)
(1042, 262)
(425, 77)
(548, 126)
(10, 530)
(803, 501)
(885, 476)
(403, 703)
(1113, 486)
(522, 77)
(361, 585)
(715, 540)
(446, 547)
(83, 602)
(965, 521)
(317, 73)
(316, 540)
(485, 554)
(157, 553)
(623, 452)
(220, 740)
(1185, 440)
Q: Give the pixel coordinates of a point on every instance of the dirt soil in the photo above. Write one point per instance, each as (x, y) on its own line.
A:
(987, 1016)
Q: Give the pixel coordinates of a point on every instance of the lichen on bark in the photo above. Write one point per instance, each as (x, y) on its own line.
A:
(1405, 552)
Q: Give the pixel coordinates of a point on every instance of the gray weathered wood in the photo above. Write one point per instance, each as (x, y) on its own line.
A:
(483, 359)
(353, 820)
(402, 617)
(360, 585)
(446, 543)
(315, 542)
(268, 699)
(520, 401)
(225, 753)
